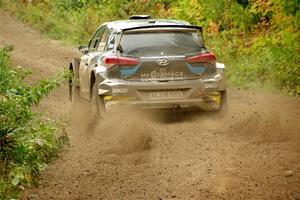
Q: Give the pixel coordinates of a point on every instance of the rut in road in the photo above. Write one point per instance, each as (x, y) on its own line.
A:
(163, 155)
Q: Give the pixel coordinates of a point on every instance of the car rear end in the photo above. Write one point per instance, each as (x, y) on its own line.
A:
(162, 67)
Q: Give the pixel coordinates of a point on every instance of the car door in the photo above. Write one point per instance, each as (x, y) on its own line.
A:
(101, 48)
(86, 63)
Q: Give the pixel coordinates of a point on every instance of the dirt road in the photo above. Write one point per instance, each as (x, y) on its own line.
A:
(252, 153)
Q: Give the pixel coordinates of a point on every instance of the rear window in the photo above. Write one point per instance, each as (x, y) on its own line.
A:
(161, 43)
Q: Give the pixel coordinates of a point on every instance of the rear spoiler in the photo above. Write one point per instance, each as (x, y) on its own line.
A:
(163, 26)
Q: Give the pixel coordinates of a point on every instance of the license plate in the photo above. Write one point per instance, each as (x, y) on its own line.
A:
(166, 95)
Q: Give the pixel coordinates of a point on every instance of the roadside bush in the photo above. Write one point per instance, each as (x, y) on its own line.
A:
(27, 142)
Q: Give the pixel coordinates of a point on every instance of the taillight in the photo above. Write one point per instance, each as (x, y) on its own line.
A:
(111, 61)
(207, 57)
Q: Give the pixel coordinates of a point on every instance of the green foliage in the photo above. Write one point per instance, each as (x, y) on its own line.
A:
(191, 11)
(291, 6)
(27, 142)
(240, 18)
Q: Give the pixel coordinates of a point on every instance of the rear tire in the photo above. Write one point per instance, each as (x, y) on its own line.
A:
(97, 103)
(75, 93)
(224, 103)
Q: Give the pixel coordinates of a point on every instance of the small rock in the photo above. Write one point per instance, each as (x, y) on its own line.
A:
(33, 196)
(21, 187)
(19, 67)
(288, 173)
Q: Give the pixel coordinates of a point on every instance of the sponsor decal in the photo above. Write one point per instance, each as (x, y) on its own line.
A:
(210, 85)
(162, 74)
(100, 91)
(119, 90)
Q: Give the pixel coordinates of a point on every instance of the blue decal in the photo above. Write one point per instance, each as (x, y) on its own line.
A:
(130, 71)
(196, 70)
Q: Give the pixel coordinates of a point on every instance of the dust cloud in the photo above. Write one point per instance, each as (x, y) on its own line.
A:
(120, 132)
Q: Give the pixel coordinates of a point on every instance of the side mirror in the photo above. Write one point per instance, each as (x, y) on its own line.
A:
(84, 49)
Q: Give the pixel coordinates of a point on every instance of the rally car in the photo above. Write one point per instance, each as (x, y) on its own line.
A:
(149, 64)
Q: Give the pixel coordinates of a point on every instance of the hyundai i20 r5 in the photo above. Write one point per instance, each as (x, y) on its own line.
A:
(150, 64)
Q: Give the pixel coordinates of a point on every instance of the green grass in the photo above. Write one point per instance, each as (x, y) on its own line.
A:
(27, 141)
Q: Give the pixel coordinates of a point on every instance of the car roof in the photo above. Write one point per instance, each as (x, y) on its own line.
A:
(118, 26)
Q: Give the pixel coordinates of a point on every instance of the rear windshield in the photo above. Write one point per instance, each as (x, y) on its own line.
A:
(161, 43)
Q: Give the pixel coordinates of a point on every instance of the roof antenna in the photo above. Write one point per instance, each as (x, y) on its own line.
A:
(140, 17)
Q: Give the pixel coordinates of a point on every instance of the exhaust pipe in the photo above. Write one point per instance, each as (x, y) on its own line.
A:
(176, 107)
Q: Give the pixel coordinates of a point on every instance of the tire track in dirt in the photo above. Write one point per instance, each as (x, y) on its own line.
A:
(241, 156)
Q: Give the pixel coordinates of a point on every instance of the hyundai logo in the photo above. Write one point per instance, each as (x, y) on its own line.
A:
(163, 62)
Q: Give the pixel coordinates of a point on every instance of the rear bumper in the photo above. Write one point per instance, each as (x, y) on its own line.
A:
(164, 104)
(201, 93)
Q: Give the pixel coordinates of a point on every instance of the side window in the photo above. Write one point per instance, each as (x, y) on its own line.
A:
(103, 40)
(111, 42)
(96, 38)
